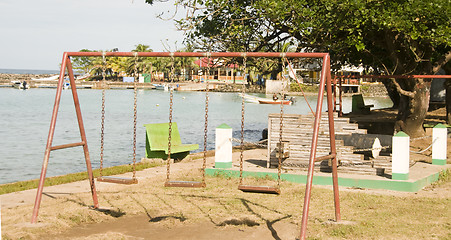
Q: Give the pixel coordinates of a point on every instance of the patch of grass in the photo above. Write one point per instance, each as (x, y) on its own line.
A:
(73, 177)
(443, 177)
(294, 87)
(342, 231)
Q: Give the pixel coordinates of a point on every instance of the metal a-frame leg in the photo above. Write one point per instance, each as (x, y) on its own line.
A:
(65, 64)
(325, 81)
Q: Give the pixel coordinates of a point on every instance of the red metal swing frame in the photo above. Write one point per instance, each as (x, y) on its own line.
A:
(325, 84)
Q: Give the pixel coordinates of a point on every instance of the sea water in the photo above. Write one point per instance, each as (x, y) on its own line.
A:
(25, 120)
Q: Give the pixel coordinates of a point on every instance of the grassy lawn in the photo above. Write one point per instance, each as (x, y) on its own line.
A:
(373, 215)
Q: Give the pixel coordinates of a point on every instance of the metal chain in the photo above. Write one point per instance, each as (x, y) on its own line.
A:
(135, 112)
(424, 150)
(281, 127)
(243, 91)
(171, 97)
(102, 128)
(258, 144)
(370, 149)
(204, 164)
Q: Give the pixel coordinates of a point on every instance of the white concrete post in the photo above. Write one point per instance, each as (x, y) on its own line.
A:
(439, 144)
(223, 146)
(400, 156)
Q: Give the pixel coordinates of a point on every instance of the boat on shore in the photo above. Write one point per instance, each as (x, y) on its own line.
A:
(20, 85)
(51, 78)
(158, 86)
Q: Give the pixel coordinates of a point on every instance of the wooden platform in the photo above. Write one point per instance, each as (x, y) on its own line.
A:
(298, 133)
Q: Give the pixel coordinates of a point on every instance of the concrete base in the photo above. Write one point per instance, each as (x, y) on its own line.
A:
(223, 165)
(400, 176)
(439, 161)
(421, 175)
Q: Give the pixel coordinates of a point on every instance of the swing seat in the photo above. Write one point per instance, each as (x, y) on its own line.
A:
(157, 142)
(259, 189)
(184, 184)
(120, 180)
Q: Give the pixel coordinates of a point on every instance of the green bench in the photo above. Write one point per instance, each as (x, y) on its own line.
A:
(358, 105)
(157, 142)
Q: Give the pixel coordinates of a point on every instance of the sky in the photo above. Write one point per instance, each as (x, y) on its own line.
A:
(35, 34)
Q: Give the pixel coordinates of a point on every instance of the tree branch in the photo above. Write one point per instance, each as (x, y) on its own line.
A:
(440, 63)
(402, 91)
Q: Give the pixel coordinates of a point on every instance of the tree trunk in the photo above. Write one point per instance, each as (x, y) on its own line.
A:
(448, 100)
(392, 92)
(412, 110)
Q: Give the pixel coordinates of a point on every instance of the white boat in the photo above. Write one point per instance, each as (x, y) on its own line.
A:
(83, 77)
(52, 78)
(20, 84)
(260, 100)
(66, 85)
(158, 86)
(252, 99)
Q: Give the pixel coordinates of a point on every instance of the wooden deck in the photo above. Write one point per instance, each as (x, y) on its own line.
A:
(297, 135)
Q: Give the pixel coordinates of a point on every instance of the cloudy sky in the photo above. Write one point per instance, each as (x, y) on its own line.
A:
(34, 34)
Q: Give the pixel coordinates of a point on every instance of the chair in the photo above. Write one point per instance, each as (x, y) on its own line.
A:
(358, 105)
(157, 142)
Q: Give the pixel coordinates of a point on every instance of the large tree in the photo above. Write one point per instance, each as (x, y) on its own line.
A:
(391, 37)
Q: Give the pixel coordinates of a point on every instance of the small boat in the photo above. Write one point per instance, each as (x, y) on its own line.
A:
(20, 85)
(269, 101)
(253, 99)
(158, 86)
(79, 78)
(66, 85)
(52, 78)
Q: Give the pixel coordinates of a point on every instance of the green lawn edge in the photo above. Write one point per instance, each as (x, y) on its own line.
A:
(72, 177)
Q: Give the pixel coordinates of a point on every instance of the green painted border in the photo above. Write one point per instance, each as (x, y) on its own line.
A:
(400, 176)
(439, 161)
(388, 184)
(223, 164)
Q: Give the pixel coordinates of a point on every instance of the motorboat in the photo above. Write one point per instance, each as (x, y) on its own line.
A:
(270, 101)
(252, 99)
(158, 86)
(20, 85)
(260, 100)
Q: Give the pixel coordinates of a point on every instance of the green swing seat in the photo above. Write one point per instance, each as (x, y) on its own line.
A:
(157, 142)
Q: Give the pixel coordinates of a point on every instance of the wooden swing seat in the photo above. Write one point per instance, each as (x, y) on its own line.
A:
(259, 189)
(119, 180)
(190, 184)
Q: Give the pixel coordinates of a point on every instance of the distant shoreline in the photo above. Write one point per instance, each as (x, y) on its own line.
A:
(370, 90)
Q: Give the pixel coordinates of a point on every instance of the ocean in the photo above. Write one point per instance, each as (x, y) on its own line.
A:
(25, 120)
(28, 71)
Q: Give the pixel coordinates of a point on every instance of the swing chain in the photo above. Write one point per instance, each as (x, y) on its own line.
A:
(135, 111)
(281, 128)
(102, 128)
(242, 120)
(207, 74)
(171, 97)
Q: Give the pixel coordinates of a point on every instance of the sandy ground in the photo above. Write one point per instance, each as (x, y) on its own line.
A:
(154, 212)
(147, 210)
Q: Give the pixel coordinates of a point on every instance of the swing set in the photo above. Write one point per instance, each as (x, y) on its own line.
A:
(325, 84)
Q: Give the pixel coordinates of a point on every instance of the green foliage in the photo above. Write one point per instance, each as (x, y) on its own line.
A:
(390, 36)
(113, 66)
(294, 87)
